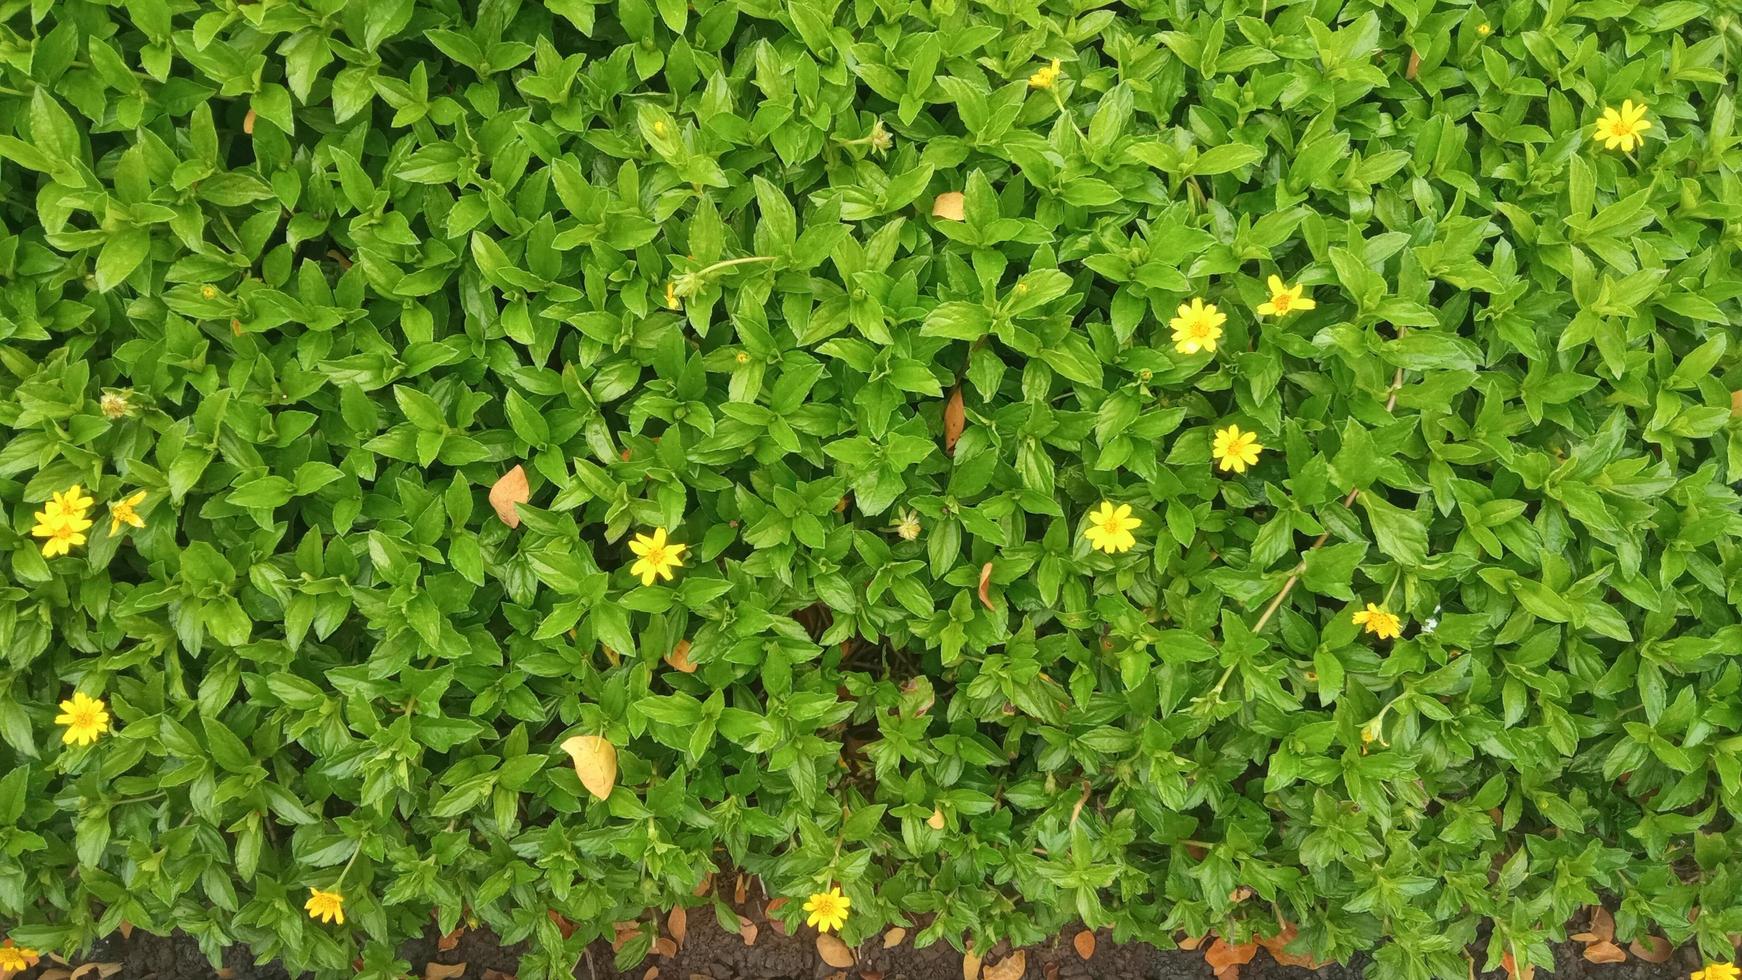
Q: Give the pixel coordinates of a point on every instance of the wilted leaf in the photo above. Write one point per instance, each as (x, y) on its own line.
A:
(1651, 949)
(970, 964)
(1221, 954)
(834, 952)
(663, 946)
(1084, 943)
(1012, 967)
(451, 940)
(595, 762)
(893, 937)
(936, 820)
(443, 971)
(986, 587)
(511, 489)
(955, 419)
(1605, 952)
(677, 923)
(949, 205)
(747, 930)
(679, 658)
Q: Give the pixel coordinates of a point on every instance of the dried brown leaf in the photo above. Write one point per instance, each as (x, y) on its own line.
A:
(1602, 925)
(664, 947)
(678, 924)
(248, 122)
(652, 973)
(1084, 943)
(679, 658)
(970, 964)
(1012, 967)
(741, 890)
(893, 937)
(1190, 943)
(747, 930)
(1223, 954)
(949, 206)
(1414, 65)
(1510, 965)
(955, 419)
(834, 952)
(498, 975)
(451, 940)
(1229, 972)
(443, 971)
(706, 886)
(870, 975)
(1052, 971)
(1605, 952)
(936, 820)
(986, 587)
(511, 489)
(1651, 949)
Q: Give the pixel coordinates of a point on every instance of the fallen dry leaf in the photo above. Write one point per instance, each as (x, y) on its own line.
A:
(1414, 65)
(870, 975)
(936, 820)
(986, 587)
(1229, 972)
(1084, 943)
(1602, 924)
(837, 975)
(970, 964)
(1277, 945)
(679, 658)
(1191, 942)
(498, 975)
(125, 929)
(511, 489)
(1651, 949)
(443, 971)
(1222, 954)
(1012, 967)
(652, 973)
(834, 952)
(664, 947)
(1605, 952)
(1052, 971)
(86, 971)
(1510, 965)
(707, 885)
(893, 937)
(741, 890)
(1736, 404)
(955, 419)
(451, 940)
(678, 924)
(622, 932)
(595, 762)
(948, 205)
(747, 930)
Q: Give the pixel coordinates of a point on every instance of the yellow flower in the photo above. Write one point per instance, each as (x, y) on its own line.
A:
(1622, 129)
(15, 958)
(907, 526)
(828, 910)
(1044, 77)
(1110, 528)
(658, 556)
(62, 522)
(208, 292)
(1284, 299)
(1197, 327)
(85, 718)
(1236, 450)
(671, 300)
(121, 512)
(1717, 971)
(1484, 29)
(325, 906)
(114, 405)
(1381, 622)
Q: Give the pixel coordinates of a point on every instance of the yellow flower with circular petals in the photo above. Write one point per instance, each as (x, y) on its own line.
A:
(828, 910)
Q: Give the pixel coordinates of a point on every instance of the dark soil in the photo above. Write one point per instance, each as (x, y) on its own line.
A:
(709, 953)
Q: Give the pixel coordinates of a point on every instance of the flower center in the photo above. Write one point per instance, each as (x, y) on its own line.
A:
(1282, 301)
(84, 717)
(656, 555)
(1110, 525)
(64, 532)
(1621, 127)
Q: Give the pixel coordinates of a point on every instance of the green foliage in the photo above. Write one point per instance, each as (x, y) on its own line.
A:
(315, 274)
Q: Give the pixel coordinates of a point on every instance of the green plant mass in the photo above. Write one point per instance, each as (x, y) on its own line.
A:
(1186, 468)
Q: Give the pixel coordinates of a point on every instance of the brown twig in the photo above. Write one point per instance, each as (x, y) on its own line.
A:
(1319, 542)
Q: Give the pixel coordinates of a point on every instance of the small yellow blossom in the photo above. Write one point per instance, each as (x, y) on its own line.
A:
(122, 512)
(907, 527)
(1045, 77)
(1623, 129)
(1284, 299)
(657, 556)
(325, 906)
(1717, 971)
(114, 405)
(1235, 450)
(15, 958)
(1484, 29)
(742, 358)
(1197, 327)
(85, 719)
(208, 292)
(62, 522)
(828, 910)
(1379, 621)
(1110, 528)
(671, 300)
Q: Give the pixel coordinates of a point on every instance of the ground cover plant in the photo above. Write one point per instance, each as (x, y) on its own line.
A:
(1175, 468)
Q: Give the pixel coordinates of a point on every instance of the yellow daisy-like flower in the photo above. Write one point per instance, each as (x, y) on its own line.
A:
(1197, 327)
(657, 556)
(1383, 623)
(1717, 971)
(1484, 29)
(1045, 77)
(122, 512)
(1235, 450)
(61, 528)
(325, 906)
(671, 300)
(1284, 299)
(1110, 528)
(85, 719)
(828, 910)
(72, 501)
(15, 958)
(1622, 130)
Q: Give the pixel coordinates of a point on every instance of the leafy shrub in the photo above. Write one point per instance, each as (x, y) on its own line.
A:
(869, 306)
